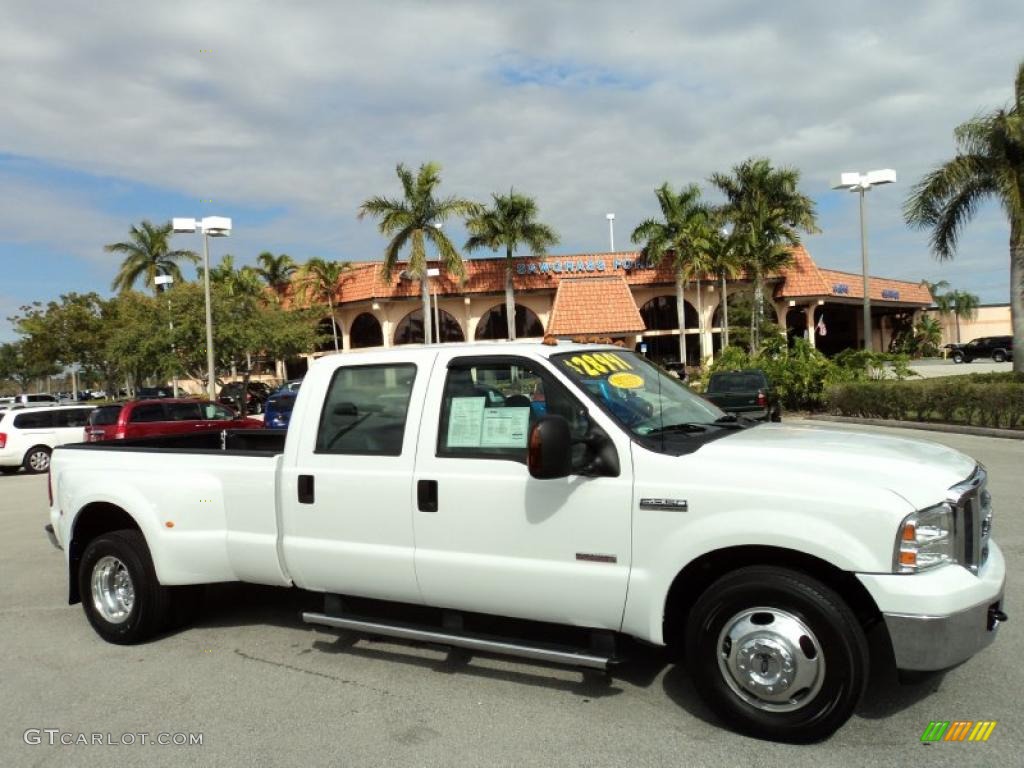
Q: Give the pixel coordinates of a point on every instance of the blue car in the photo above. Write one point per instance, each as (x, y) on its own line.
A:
(280, 404)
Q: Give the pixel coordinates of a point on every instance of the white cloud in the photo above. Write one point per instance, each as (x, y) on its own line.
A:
(310, 106)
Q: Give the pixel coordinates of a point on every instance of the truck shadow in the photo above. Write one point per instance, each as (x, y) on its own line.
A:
(234, 604)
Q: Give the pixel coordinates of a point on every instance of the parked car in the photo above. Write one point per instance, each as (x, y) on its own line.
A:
(28, 434)
(998, 348)
(255, 396)
(165, 416)
(149, 393)
(768, 552)
(744, 393)
(33, 399)
(280, 404)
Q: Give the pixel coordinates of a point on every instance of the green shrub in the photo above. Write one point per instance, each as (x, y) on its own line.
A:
(952, 400)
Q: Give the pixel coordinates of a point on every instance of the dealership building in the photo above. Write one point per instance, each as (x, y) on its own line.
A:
(612, 295)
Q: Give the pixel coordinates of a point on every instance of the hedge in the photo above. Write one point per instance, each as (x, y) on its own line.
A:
(979, 400)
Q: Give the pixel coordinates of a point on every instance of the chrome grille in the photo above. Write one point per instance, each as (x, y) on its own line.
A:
(973, 505)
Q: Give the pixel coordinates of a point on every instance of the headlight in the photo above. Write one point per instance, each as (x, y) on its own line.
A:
(926, 539)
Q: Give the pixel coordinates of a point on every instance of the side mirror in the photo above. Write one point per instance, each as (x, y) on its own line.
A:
(549, 452)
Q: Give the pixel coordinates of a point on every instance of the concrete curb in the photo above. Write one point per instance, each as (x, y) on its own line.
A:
(958, 429)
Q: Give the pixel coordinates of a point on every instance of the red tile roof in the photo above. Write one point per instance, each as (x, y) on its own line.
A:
(594, 305)
(803, 278)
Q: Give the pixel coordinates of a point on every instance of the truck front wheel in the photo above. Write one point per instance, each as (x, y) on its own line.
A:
(777, 654)
(121, 596)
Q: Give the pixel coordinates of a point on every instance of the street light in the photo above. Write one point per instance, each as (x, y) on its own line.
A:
(210, 226)
(167, 281)
(611, 231)
(861, 183)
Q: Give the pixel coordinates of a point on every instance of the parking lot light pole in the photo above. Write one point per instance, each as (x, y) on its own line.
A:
(861, 183)
(167, 281)
(210, 226)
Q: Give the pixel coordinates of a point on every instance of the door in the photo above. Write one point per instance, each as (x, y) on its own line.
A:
(491, 538)
(347, 500)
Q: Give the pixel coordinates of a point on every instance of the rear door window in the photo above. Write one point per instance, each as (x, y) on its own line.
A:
(214, 412)
(365, 410)
(37, 420)
(147, 413)
(183, 412)
(73, 417)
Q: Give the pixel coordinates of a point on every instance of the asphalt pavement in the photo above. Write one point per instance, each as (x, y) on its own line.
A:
(934, 367)
(263, 689)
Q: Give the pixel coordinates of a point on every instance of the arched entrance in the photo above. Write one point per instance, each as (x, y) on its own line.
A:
(660, 317)
(410, 328)
(366, 332)
(493, 324)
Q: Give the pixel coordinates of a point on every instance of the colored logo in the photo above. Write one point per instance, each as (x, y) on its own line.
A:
(958, 730)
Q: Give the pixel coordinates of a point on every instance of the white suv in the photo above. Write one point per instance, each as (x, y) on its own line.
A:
(29, 435)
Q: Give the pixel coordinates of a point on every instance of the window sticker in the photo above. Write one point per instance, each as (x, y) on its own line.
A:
(597, 364)
(465, 422)
(505, 427)
(626, 381)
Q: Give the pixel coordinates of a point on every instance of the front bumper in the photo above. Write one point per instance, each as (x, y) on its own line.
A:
(940, 618)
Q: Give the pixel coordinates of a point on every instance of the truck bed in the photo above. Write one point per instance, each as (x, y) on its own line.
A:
(237, 442)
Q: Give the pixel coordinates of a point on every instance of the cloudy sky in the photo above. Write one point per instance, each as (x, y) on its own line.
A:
(287, 115)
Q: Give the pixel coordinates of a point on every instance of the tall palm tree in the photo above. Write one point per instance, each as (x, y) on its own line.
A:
(768, 212)
(414, 220)
(989, 164)
(276, 271)
(321, 283)
(725, 262)
(510, 223)
(680, 235)
(965, 305)
(148, 254)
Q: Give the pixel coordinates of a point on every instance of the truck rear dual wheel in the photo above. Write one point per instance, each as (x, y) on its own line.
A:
(777, 654)
(122, 598)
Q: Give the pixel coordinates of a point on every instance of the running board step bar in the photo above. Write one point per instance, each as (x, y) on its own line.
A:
(473, 643)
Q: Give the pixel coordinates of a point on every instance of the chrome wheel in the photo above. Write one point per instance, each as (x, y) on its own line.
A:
(113, 593)
(39, 461)
(771, 659)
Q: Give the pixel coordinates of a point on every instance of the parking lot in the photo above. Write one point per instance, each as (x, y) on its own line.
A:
(264, 689)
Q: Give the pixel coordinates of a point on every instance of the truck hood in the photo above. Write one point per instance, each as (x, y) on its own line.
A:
(917, 470)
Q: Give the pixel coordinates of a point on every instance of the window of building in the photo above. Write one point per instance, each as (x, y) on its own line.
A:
(410, 328)
(365, 410)
(489, 406)
(366, 332)
(493, 324)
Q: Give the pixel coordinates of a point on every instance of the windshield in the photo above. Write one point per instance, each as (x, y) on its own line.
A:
(648, 403)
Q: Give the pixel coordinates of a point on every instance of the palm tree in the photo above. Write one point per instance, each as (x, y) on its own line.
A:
(964, 305)
(413, 221)
(276, 271)
(510, 223)
(989, 164)
(768, 213)
(322, 278)
(681, 235)
(147, 254)
(725, 262)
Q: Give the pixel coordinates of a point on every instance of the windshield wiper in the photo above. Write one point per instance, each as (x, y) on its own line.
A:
(732, 421)
(687, 426)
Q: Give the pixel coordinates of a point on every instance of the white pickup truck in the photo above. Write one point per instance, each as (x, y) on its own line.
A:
(566, 484)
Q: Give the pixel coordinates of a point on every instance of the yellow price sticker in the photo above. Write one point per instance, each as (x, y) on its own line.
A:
(625, 381)
(598, 364)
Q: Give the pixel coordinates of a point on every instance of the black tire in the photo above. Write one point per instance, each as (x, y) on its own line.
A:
(999, 356)
(777, 415)
(150, 607)
(9, 470)
(37, 459)
(836, 650)
(958, 357)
